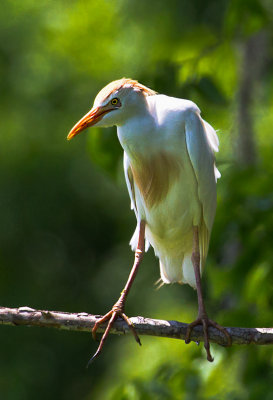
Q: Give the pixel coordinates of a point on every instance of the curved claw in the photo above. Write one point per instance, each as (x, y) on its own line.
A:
(206, 339)
(93, 358)
(223, 330)
(111, 316)
(99, 322)
(206, 323)
(131, 326)
(109, 326)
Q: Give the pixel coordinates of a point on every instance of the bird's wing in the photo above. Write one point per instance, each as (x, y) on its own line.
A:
(129, 181)
(202, 141)
(131, 189)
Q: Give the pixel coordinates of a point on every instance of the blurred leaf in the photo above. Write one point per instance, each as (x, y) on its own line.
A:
(104, 149)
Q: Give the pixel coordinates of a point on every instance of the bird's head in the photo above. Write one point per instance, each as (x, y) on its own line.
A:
(113, 105)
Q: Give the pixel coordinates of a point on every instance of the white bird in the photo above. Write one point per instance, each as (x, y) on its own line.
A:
(170, 173)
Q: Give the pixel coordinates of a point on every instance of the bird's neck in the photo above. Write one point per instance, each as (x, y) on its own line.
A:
(136, 134)
(154, 168)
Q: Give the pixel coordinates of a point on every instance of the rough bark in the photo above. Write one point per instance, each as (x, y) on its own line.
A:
(144, 326)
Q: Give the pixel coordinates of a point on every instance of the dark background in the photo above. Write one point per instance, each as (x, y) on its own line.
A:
(64, 208)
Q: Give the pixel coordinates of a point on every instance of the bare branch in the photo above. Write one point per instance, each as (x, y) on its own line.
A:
(144, 326)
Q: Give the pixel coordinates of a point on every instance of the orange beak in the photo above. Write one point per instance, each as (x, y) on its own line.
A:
(91, 118)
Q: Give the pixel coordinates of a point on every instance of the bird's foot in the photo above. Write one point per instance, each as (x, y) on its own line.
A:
(206, 322)
(111, 316)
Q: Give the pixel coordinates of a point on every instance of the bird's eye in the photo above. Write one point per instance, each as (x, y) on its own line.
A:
(114, 101)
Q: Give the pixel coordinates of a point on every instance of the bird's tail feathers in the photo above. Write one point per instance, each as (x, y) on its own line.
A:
(178, 270)
(170, 269)
(188, 271)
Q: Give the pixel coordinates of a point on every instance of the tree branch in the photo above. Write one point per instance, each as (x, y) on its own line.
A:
(144, 326)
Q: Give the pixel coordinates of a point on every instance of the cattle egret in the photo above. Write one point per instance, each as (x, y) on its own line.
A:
(170, 173)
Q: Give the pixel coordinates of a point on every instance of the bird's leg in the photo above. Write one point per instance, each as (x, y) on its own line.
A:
(202, 318)
(118, 308)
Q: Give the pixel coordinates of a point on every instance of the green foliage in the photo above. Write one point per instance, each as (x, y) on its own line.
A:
(65, 217)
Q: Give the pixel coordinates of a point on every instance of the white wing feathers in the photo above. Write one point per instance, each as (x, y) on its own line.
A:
(211, 136)
(202, 141)
(213, 142)
(131, 189)
(129, 181)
